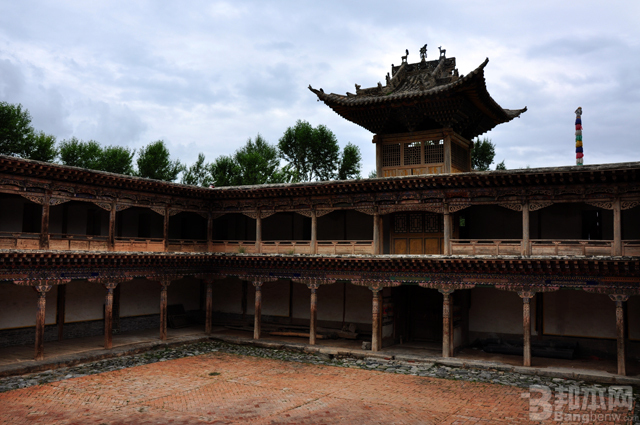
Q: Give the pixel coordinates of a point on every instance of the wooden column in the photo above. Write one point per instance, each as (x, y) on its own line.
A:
(108, 315)
(258, 232)
(257, 320)
(526, 325)
(376, 317)
(526, 242)
(376, 234)
(210, 232)
(447, 323)
(111, 243)
(620, 334)
(163, 309)
(447, 154)
(165, 229)
(209, 306)
(314, 232)
(44, 224)
(116, 308)
(447, 231)
(62, 295)
(313, 314)
(617, 228)
(40, 314)
(378, 156)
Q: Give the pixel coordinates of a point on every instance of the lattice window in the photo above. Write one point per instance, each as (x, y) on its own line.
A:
(459, 157)
(400, 223)
(391, 155)
(433, 151)
(433, 223)
(415, 223)
(412, 153)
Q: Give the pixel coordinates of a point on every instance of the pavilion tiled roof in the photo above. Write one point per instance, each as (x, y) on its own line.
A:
(423, 96)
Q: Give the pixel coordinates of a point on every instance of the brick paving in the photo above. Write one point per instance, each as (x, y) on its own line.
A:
(222, 388)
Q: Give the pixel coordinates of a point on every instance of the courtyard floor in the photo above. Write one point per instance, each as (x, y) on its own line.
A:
(221, 387)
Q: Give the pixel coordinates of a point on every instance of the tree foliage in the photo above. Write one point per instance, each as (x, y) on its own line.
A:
(15, 129)
(314, 154)
(154, 162)
(257, 162)
(114, 159)
(482, 154)
(42, 147)
(350, 163)
(198, 174)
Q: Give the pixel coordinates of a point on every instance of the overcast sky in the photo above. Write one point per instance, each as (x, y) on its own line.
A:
(205, 76)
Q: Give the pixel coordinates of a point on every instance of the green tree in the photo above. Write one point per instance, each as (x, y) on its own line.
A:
(225, 172)
(154, 162)
(482, 154)
(117, 159)
(350, 163)
(42, 147)
(198, 174)
(373, 174)
(314, 154)
(16, 133)
(258, 162)
(501, 166)
(78, 153)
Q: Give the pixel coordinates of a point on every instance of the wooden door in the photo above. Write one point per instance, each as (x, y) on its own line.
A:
(417, 233)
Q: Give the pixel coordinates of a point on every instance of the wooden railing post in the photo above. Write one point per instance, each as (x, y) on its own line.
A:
(526, 244)
(617, 228)
(258, 231)
(447, 231)
(44, 224)
(111, 241)
(314, 232)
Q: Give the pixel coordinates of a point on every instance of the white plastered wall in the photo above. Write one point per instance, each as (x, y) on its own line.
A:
(358, 304)
(11, 214)
(499, 312)
(184, 291)
(579, 313)
(84, 301)
(275, 298)
(139, 297)
(18, 305)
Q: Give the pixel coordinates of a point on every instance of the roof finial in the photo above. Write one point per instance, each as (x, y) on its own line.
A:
(404, 58)
(443, 52)
(423, 52)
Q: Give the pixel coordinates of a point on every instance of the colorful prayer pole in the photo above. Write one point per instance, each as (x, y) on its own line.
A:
(579, 151)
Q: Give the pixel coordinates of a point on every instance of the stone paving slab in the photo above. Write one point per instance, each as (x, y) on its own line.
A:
(213, 382)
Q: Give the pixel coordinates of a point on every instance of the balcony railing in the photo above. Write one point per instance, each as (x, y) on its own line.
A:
(542, 247)
(67, 242)
(131, 244)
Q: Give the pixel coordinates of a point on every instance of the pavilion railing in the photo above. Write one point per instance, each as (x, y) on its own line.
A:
(134, 244)
(540, 247)
(70, 242)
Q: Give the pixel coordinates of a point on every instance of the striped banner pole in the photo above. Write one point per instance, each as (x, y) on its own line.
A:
(579, 151)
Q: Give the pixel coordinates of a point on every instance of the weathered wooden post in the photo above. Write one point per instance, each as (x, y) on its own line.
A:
(42, 290)
(526, 325)
(313, 314)
(622, 349)
(44, 224)
(108, 315)
(257, 320)
(526, 242)
(447, 323)
(209, 306)
(314, 232)
(165, 229)
(111, 243)
(210, 232)
(617, 228)
(376, 317)
(258, 231)
(447, 230)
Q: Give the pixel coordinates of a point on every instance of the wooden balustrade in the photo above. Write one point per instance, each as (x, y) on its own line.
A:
(62, 242)
(131, 244)
(540, 247)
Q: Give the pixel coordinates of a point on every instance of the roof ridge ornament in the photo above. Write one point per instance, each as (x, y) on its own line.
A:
(443, 52)
(423, 53)
(404, 58)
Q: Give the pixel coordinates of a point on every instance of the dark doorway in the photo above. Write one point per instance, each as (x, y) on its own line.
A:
(418, 313)
(592, 225)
